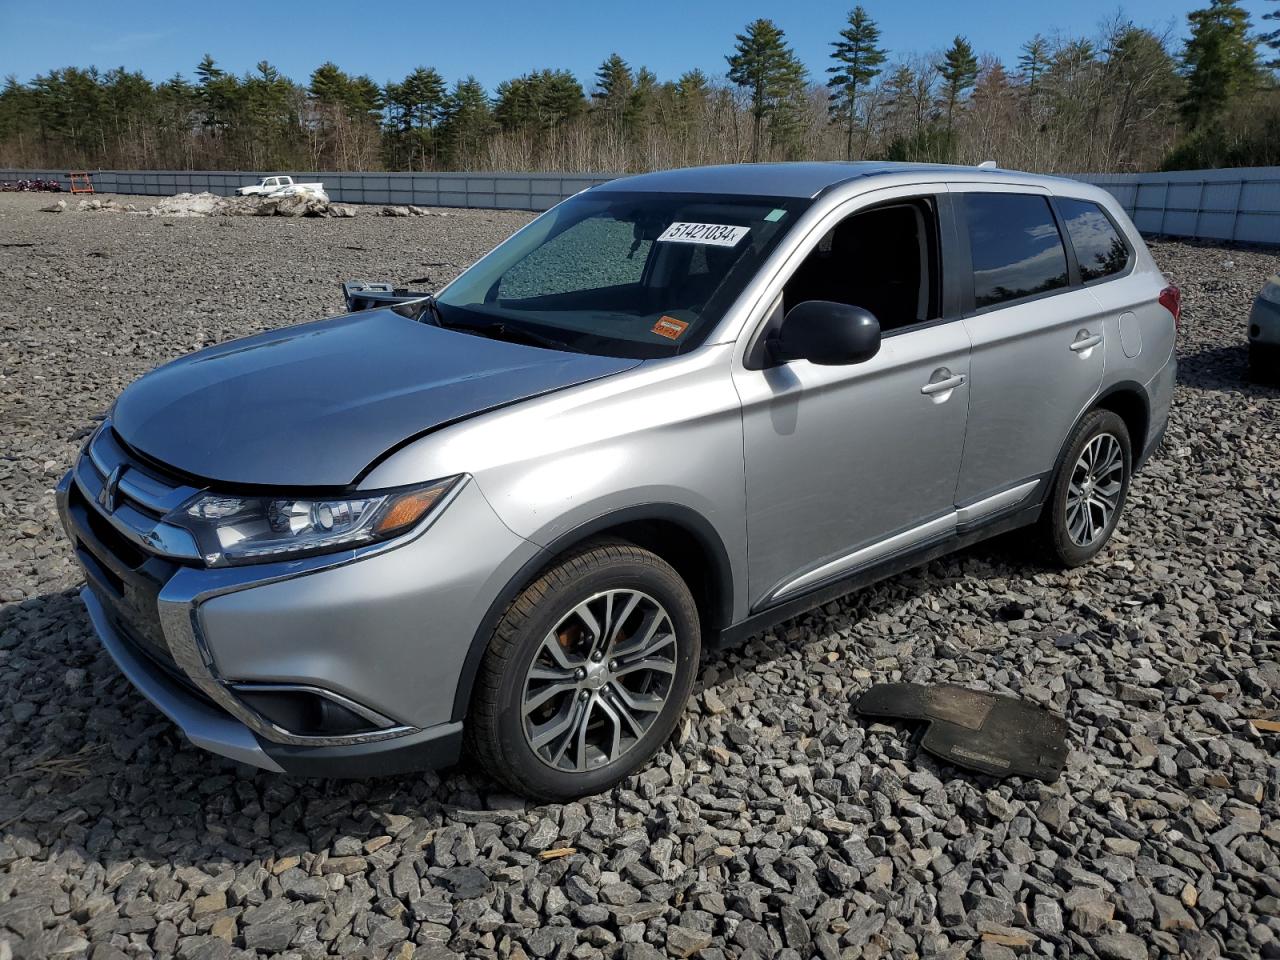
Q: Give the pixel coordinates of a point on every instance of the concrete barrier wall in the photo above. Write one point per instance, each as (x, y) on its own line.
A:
(1240, 204)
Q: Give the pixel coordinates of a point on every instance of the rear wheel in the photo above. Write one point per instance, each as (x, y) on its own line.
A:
(1089, 490)
(587, 673)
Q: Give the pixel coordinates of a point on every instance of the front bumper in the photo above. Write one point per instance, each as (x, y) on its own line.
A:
(1264, 323)
(204, 725)
(213, 729)
(384, 631)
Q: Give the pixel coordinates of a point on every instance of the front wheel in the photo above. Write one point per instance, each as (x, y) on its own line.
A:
(587, 673)
(1089, 490)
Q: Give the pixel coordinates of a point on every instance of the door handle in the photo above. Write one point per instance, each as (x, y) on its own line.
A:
(942, 386)
(1085, 343)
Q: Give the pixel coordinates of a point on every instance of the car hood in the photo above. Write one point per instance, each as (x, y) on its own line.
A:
(315, 404)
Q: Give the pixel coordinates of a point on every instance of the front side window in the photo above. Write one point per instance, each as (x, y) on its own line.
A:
(623, 274)
(1015, 245)
(883, 260)
(1099, 249)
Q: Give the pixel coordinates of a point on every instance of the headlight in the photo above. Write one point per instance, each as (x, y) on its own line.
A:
(1271, 292)
(233, 530)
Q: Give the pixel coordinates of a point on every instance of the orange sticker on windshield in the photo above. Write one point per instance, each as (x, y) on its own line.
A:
(670, 327)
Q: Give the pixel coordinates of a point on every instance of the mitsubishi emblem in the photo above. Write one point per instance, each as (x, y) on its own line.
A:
(110, 493)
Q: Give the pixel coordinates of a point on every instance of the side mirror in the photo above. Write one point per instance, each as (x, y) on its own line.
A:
(826, 333)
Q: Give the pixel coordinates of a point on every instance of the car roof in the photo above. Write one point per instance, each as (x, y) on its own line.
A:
(806, 179)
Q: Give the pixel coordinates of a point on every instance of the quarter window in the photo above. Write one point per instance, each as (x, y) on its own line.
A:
(1015, 245)
(1100, 251)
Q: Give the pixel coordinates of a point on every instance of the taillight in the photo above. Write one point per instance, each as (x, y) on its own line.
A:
(1171, 300)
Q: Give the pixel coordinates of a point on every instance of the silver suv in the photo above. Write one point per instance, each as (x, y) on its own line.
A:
(676, 407)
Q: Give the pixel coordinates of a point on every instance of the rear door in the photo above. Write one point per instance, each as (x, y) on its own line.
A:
(1038, 344)
(1140, 334)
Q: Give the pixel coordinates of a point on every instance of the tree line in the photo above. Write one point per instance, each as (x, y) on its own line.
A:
(1126, 98)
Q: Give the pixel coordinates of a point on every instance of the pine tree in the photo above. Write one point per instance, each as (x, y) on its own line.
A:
(1034, 60)
(467, 124)
(613, 81)
(693, 85)
(1272, 38)
(1220, 60)
(541, 100)
(612, 95)
(220, 95)
(642, 101)
(858, 61)
(420, 98)
(271, 101)
(416, 105)
(690, 95)
(366, 97)
(959, 71)
(763, 64)
(329, 85)
(207, 70)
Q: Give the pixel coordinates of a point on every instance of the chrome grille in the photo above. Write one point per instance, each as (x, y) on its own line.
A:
(134, 497)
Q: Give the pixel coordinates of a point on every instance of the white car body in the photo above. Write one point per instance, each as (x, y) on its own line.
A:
(280, 186)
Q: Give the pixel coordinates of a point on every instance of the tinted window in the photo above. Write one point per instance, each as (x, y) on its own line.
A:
(1099, 249)
(1017, 251)
(882, 260)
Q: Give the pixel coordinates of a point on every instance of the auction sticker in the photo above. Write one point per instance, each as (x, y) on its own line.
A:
(715, 234)
(670, 327)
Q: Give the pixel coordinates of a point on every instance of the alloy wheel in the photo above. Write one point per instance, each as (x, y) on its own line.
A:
(599, 680)
(1093, 495)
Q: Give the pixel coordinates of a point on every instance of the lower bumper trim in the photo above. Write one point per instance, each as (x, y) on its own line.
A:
(430, 749)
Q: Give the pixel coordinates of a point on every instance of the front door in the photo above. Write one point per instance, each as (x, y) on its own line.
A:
(848, 465)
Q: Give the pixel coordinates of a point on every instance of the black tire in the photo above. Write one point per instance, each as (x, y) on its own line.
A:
(1054, 532)
(496, 723)
(1264, 363)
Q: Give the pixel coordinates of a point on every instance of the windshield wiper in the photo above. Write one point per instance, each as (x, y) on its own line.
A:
(499, 330)
(434, 309)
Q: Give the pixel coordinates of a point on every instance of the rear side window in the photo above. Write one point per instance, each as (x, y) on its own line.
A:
(1016, 248)
(1100, 251)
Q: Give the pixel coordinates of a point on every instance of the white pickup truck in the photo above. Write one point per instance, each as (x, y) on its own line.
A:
(280, 187)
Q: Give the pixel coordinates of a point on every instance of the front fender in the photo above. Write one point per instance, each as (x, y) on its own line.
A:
(729, 577)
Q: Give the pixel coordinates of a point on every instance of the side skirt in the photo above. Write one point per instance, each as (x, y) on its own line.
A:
(739, 632)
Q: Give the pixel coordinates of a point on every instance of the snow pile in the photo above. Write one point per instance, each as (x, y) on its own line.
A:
(106, 203)
(188, 205)
(208, 205)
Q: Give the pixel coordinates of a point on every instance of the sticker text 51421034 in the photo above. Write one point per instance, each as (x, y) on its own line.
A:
(716, 234)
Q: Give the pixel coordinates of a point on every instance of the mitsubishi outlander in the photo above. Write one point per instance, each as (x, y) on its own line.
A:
(683, 406)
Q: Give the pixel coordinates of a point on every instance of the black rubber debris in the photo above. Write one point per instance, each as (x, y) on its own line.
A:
(977, 730)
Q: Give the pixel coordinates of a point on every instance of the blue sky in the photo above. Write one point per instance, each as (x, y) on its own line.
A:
(499, 40)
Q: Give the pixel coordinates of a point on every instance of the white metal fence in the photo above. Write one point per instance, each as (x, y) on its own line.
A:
(490, 191)
(1240, 204)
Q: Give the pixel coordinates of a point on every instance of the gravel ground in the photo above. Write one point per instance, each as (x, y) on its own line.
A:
(778, 824)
